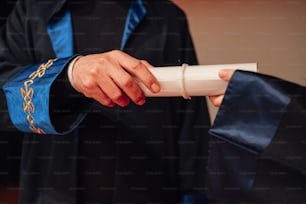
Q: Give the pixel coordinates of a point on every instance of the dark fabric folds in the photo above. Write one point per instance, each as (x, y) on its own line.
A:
(257, 148)
(156, 153)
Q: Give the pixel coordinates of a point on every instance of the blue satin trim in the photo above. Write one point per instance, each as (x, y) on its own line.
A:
(196, 198)
(250, 113)
(40, 99)
(60, 33)
(135, 14)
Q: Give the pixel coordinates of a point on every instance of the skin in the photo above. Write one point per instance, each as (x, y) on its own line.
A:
(226, 75)
(108, 78)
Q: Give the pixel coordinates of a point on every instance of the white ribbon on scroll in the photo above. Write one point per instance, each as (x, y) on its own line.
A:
(195, 80)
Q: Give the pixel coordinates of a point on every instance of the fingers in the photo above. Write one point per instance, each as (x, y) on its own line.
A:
(147, 64)
(113, 93)
(139, 69)
(216, 100)
(103, 99)
(226, 74)
(109, 96)
(108, 78)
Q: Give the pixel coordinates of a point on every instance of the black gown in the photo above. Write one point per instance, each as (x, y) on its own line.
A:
(10, 141)
(257, 150)
(150, 154)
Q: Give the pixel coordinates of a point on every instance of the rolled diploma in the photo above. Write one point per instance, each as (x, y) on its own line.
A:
(195, 80)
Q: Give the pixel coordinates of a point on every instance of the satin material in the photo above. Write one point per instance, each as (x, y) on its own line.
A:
(231, 170)
(241, 133)
(251, 121)
(135, 15)
(40, 99)
(60, 33)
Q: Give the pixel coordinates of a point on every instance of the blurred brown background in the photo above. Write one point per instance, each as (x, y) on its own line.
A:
(271, 33)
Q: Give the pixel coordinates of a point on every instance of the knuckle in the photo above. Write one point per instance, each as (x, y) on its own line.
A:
(116, 52)
(101, 61)
(137, 65)
(88, 85)
(116, 95)
(144, 61)
(127, 82)
(93, 72)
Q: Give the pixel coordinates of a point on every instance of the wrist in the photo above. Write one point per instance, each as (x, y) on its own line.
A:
(70, 70)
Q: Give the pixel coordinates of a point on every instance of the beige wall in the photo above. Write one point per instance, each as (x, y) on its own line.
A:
(269, 32)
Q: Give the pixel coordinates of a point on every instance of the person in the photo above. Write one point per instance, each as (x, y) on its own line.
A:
(67, 75)
(257, 147)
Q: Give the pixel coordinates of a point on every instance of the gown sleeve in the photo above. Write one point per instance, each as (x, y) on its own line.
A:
(30, 102)
(258, 141)
(35, 95)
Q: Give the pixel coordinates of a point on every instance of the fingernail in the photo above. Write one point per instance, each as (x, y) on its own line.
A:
(141, 102)
(222, 73)
(155, 87)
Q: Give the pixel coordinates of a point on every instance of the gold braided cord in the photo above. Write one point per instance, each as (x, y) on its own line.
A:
(28, 93)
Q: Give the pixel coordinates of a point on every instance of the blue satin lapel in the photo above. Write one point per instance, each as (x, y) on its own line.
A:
(60, 33)
(60, 30)
(135, 14)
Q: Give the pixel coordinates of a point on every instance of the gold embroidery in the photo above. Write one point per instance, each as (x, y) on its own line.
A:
(27, 93)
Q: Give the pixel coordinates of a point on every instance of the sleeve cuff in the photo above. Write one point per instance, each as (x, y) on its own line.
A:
(251, 111)
(28, 96)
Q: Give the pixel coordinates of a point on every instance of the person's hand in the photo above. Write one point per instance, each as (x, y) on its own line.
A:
(108, 78)
(226, 75)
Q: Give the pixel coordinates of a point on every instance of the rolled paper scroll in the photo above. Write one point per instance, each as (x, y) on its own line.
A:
(195, 80)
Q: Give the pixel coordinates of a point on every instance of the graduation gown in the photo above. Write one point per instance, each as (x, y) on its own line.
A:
(10, 142)
(257, 150)
(153, 153)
